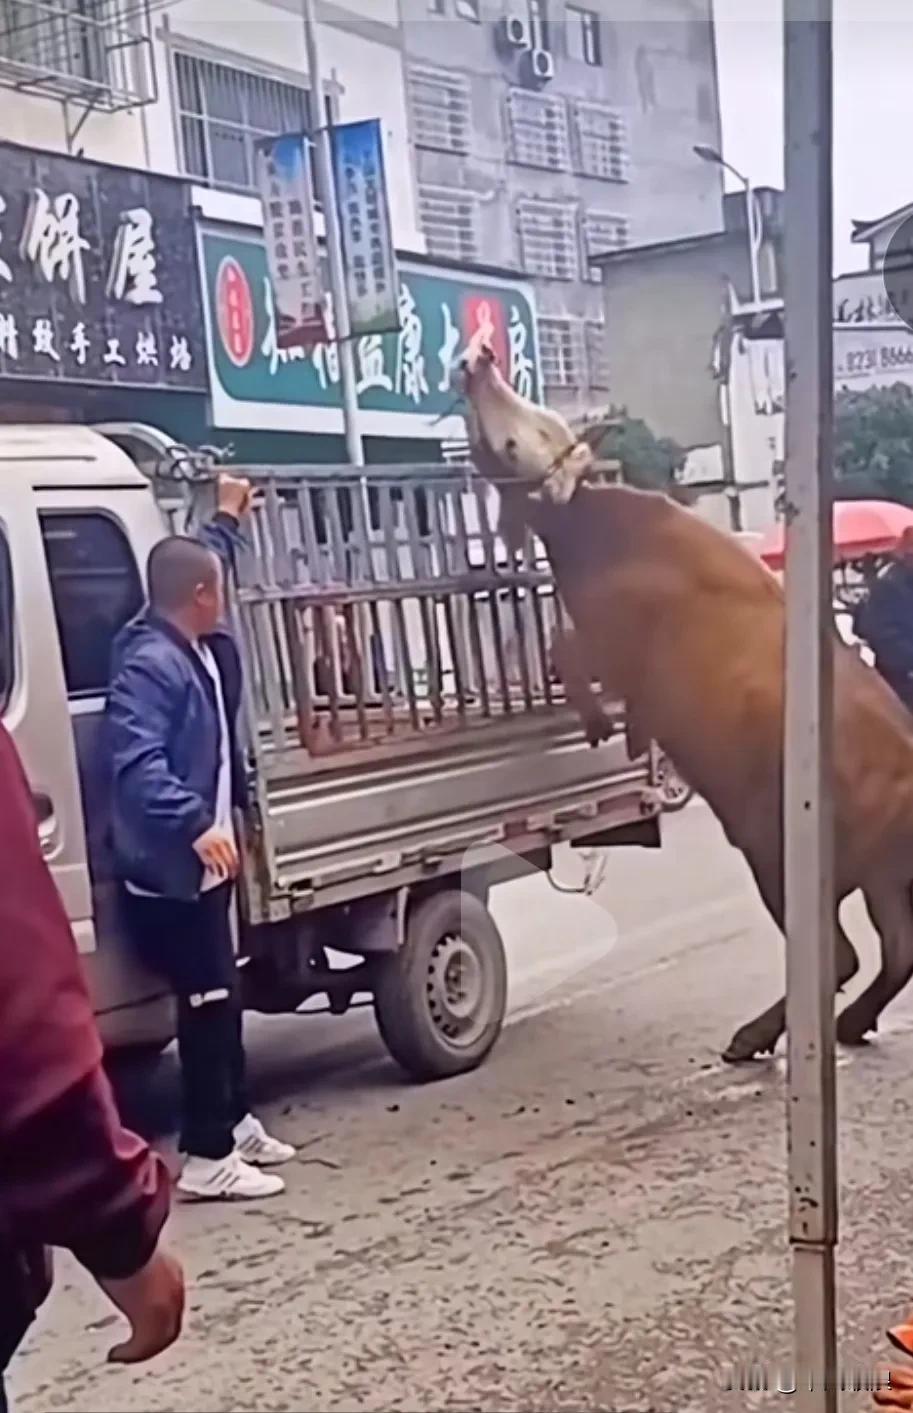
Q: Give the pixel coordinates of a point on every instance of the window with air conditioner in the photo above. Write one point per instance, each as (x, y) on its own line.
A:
(537, 123)
(440, 109)
(597, 356)
(450, 223)
(603, 233)
(601, 142)
(584, 37)
(224, 111)
(561, 353)
(548, 239)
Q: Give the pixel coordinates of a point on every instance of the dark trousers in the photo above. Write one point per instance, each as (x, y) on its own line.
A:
(190, 945)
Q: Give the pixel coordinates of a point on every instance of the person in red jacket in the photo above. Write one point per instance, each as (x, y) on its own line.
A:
(70, 1174)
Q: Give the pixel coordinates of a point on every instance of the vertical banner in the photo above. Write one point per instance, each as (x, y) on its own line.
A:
(286, 190)
(372, 283)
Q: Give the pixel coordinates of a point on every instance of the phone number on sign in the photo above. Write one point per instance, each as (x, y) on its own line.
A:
(868, 360)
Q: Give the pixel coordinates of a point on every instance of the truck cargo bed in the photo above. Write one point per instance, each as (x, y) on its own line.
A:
(405, 716)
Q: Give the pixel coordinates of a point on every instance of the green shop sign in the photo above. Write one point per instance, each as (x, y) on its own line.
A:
(404, 379)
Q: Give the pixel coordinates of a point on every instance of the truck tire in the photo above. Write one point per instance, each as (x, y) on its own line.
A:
(440, 1000)
(674, 792)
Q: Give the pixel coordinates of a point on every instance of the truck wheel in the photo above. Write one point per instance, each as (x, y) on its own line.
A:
(674, 792)
(440, 999)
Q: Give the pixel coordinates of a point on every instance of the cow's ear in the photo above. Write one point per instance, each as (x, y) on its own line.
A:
(561, 484)
(580, 459)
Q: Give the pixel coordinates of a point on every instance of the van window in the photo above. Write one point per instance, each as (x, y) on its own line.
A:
(96, 589)
(7, 658)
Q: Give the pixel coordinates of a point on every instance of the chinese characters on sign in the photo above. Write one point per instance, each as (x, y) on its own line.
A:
(367, 238)
(52, 240)
(449, 349)
(521, 366)
(133, 267)
(98, 275)
(284, 181)
(874, 297)
(410, 361)
(406, 373)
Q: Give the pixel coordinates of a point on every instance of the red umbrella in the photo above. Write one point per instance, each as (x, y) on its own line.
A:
(860, 527)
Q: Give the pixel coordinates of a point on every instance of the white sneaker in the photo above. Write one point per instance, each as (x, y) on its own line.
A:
(226, 1179)
(255, 1145)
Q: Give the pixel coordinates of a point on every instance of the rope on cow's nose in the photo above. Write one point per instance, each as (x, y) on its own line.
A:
(595, 861)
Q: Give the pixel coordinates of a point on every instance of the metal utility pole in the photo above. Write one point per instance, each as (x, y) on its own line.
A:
(326, 191)
(808, 795)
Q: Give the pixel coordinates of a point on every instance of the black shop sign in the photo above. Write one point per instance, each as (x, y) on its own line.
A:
(98, 275)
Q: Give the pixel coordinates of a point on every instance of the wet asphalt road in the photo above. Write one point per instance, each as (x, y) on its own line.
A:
(595, 1220)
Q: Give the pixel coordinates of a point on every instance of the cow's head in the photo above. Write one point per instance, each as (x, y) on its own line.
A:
(525, 441)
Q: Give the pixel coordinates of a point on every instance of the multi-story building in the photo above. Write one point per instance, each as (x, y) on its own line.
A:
(521, 137)
(186, 87)
(546, 132)
(133, 278)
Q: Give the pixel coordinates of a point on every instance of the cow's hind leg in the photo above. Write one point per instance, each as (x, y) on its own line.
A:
(760, 1036)
(891, 910)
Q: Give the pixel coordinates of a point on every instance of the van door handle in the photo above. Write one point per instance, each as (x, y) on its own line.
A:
(47, 824)
(44, 807)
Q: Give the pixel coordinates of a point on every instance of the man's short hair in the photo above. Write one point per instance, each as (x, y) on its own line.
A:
(177, 567)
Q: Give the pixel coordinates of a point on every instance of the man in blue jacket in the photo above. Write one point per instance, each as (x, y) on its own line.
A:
(177, 781)
(885, 621)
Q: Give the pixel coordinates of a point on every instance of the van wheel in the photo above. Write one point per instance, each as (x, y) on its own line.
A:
(440, 1000)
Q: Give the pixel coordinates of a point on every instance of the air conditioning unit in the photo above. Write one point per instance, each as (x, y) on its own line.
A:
(513, 33)
(538, 66)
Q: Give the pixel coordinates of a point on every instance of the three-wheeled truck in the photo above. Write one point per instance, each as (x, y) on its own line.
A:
(408, 742)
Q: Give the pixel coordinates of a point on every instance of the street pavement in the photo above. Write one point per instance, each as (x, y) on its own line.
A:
(594, 1220)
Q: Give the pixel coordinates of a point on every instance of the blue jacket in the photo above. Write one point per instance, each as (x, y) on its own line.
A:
(885, 621)
(163, 741)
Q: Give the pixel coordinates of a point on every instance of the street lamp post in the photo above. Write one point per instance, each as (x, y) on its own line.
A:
(326, 190)
(710, 154)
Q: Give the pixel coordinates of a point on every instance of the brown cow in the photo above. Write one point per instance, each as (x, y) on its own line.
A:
(687, 627)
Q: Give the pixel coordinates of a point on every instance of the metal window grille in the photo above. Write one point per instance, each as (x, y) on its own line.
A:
(561, 353)
(93, 52)
(597, 355)
(224, 111)
(548, 239)
(602, 233)
(538, 130)
(440, 109)
(602, 142)
(450, 223)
